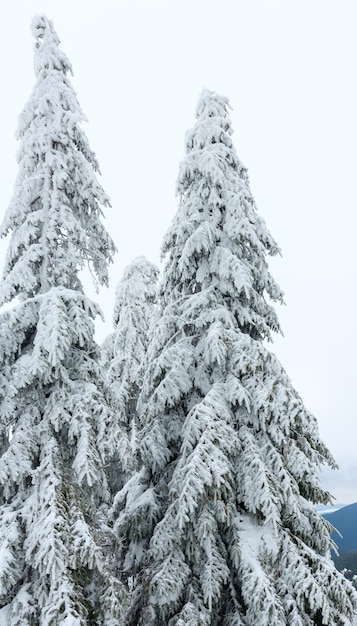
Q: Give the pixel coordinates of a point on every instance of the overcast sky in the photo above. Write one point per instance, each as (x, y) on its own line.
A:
(289, 69)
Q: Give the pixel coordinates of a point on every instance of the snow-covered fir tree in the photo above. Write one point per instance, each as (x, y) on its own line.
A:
(58, 430)
(124, 350)
(219, 527)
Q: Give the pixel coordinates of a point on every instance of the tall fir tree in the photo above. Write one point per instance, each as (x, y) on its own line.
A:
(219, 528)
(58, 430)
(124, 350)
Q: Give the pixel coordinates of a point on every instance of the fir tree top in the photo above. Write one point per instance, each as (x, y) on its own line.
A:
(218, 243)
(54, 215)
(48, 56)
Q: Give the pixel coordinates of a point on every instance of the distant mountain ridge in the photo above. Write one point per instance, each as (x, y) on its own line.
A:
(330, 508)
(345, 521)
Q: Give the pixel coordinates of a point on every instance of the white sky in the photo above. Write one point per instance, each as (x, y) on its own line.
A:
(289, 69)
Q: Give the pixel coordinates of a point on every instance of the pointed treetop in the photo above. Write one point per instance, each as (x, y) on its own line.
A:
(48, 56)
(213, 124)
(139, 279)
(55, 213)
(218, 241)
(211, 104)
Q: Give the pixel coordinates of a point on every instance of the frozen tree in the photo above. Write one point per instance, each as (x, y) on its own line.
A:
(219, 527)
(123, 352)
(57, 428)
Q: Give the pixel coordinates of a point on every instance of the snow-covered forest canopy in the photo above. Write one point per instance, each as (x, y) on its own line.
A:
(169, 477)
